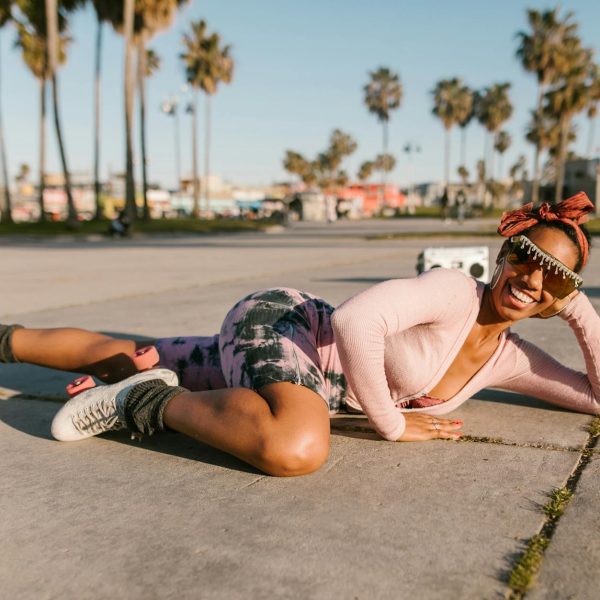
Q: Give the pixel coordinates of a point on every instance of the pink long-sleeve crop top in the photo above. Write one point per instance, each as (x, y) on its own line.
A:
(397, 339)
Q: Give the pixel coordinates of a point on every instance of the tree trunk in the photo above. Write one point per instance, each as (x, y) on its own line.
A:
(71, 211)
(535, 190)
(52, 35)
(130, 206)
(463, 146)
(383, 171)
(6, 213)
(42, 149)
(447, 157)
(591, 136)
(142, 91)
(487, 165)
(177, 147)
(492, 155)
(196, 209)
(560, 168)
(97, 86)
(535, 186)
(206, 187)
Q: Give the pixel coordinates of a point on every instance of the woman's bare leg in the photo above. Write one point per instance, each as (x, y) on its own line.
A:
(76, 350)
(282, 430)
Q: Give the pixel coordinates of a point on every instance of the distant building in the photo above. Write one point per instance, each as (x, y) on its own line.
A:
(308, 206)
(583, 175)
(373, 196)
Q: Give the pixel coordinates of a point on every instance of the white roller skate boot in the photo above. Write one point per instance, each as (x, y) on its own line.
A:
(100, 409)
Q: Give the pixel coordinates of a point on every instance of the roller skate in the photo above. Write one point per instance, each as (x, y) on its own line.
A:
(93, 410)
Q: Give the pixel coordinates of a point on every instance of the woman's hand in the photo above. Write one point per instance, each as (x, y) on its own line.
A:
(421, 427)
(557, 306)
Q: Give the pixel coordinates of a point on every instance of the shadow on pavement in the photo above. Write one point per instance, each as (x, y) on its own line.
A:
(34, 418)
(515, 399)
(177, 444)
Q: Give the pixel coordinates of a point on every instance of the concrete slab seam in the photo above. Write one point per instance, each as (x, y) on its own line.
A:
(480, 440)
(529, 562)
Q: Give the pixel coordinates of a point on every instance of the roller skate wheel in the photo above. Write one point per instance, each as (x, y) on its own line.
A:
(80, 385)
(146, 358)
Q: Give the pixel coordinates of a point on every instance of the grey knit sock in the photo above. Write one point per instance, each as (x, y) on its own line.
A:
(6, 354)
(145, 403)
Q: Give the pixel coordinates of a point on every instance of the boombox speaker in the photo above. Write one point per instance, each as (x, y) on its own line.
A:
(470, 260)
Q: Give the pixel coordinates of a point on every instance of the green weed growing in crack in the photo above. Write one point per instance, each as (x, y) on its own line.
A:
(594, 428)
(559, 499)
(525, 570)
(483, 440)
(528, 565)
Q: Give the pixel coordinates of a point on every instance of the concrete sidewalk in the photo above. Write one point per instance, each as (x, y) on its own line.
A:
(171, 518)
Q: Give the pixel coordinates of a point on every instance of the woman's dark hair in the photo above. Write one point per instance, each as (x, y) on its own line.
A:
(569, 231)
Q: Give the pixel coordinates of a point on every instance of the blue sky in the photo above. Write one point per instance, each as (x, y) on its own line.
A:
(300, 69)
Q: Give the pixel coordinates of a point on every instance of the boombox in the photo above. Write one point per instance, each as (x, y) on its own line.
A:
(470, 260)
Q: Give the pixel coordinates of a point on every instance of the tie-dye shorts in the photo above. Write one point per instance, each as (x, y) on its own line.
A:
(271, 336)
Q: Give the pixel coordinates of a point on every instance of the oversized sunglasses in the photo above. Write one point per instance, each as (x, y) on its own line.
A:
(559, 280)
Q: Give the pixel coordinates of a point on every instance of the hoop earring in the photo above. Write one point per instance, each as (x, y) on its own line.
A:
(497, 272)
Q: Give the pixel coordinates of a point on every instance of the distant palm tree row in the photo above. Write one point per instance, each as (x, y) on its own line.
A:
(43, 38)
(568, 84)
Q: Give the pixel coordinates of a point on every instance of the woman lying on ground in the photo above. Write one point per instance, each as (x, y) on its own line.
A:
(403, 351)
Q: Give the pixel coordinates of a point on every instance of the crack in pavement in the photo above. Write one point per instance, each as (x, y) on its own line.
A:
(541, 541)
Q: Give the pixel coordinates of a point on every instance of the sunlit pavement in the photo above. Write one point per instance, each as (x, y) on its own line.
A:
(170, 518)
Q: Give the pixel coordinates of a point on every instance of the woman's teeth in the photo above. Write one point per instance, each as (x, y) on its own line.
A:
(520, 296)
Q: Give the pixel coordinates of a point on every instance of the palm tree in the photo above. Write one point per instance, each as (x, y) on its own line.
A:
(493, 108)
(383, 93)
(296, 163)
(518, 175)
(56, 22)
(329, 162)
(568, 98)
(543, 132)
(135, 19)
(106, 11)
(34, 55)
(324, 171)
(150, 17)
(481, 178)
(592, 107)
(365, 170)
(34, 51)
(501, 145)
(447, 95)
(207, 64)
(464, 115)
(6, 214)
(463, 173)
(148, 63)
(541, 52)
(385, 162)
(128, 17)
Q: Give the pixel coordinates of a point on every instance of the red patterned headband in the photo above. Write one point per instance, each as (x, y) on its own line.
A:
(572, 211)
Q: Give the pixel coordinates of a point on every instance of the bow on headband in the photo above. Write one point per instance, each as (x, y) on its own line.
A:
(572, 211)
